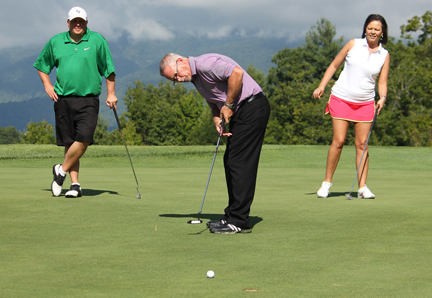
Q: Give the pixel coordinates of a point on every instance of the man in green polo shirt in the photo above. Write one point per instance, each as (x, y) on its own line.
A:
(81, 57)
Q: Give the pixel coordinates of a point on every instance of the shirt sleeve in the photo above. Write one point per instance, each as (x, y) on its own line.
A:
(45, 62)
(105, 61)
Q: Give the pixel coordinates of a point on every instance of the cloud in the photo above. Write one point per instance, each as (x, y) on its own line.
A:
(221, 32)
(30, 22)
(148, 29)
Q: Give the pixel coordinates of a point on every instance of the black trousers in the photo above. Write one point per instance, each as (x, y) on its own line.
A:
(248, 126)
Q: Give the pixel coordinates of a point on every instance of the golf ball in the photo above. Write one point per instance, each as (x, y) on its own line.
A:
(210, 274)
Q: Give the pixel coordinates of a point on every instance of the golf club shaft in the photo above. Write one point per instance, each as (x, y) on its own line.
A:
(124, 140)
(211, 169)
(367, 141)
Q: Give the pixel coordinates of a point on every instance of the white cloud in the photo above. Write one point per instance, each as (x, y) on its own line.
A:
(142, 29)
(221, 32)
(35, 21)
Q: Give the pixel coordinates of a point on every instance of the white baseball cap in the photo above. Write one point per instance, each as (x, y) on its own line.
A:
(77, 12)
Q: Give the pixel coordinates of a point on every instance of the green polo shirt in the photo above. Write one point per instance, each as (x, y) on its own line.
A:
(79, 66)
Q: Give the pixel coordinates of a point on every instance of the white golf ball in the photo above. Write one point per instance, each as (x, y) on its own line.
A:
(210, 274)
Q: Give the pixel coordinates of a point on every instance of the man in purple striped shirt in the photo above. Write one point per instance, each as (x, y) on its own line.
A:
(232, 94)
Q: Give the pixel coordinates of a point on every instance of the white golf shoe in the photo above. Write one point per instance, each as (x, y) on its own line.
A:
(365, 193)
(56, 185)
(74, 191)
(324, 191)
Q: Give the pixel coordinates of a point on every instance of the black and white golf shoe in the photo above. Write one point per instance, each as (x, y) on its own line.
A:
(74, 192)
(56, 185)
(227, 228)
(215, 223)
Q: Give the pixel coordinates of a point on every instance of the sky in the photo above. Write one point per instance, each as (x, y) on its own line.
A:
(33, 22)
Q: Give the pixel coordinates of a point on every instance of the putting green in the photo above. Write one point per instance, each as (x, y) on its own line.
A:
(109, 244)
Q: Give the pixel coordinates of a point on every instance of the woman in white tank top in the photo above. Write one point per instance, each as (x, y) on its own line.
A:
(353, 97)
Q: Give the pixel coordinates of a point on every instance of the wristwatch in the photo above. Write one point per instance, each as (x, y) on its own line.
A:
(231, 106)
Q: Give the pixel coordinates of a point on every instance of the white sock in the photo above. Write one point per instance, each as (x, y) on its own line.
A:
(61, 172)
(76, 184)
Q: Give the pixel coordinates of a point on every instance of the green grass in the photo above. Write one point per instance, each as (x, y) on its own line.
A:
(108, 244)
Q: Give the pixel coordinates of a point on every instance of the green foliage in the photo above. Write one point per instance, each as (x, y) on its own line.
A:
(101, 133)
(174, 115)
(296, 117)
(103, 137)
(204, 133)
(151, 114)
(321, 48)
(406, 119)
(10, 135)
(130, 134)
(40, 132)
(167, 114)
(258, 76)
(422, 24)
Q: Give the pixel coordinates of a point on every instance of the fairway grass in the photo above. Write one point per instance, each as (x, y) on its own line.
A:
(109, 244)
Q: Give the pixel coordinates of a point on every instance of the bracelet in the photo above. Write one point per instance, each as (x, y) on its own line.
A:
(384, 96)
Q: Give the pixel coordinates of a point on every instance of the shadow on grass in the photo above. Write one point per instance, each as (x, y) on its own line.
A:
(88, 192)
(334, 194)
(206, 217)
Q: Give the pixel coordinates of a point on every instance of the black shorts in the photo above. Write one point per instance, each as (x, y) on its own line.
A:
(76, 119)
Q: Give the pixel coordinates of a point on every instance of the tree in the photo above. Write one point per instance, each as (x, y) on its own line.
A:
(258, 76)
(204, 132)
(297, 118)
(321, 48)
(165, 115)
(173, 115)
(100, 135)
(103, 137)
(40, 132)
(190, 110)
(405, 121)
(423, 24)
(129, 133)
(9, 135)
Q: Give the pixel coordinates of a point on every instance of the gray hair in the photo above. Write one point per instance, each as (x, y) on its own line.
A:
(169, 60)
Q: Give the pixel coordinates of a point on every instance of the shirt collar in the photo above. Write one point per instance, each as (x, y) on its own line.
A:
(192, 65)
(84, 38)
(379, 47)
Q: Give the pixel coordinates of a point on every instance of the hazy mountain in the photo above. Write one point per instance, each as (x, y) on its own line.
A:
(23, 98)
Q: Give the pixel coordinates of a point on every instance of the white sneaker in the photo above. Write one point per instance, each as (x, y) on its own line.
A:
(324, 191)
(365, 193)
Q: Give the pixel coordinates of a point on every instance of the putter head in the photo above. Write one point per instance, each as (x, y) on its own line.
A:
(194, 221)
(138, 196)
(349, 196)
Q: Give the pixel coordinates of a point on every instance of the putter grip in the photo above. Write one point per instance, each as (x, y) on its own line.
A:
(222, 125)
(117, 118)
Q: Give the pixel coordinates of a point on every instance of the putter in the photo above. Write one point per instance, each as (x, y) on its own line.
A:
(198, 221)
(124, 140)
(348, 195)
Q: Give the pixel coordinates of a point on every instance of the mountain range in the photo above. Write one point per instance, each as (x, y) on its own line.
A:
(23, 98)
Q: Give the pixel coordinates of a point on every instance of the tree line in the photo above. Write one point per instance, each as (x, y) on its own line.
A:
(173, 115)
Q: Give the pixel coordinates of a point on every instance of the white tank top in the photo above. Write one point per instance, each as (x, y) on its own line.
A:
(356, 82)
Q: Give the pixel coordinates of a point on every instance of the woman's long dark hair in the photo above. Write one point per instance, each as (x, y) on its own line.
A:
(377, 17)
